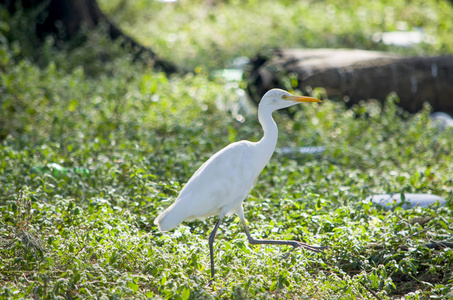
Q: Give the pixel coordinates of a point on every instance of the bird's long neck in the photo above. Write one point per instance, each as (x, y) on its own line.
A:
(269, 139)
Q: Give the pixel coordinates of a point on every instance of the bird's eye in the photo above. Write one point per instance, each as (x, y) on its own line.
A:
(284, 97)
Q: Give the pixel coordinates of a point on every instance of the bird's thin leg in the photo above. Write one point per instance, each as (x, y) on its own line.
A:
(295, 244)
(211, 246)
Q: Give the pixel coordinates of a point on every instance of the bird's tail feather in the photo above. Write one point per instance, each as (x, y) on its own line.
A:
(171, 217)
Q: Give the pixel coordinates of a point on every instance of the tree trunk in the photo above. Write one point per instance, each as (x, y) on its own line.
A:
(64, 19)
(355, 75)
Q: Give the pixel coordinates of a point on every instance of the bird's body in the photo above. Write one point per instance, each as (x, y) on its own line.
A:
(224, 181)
(229, 185)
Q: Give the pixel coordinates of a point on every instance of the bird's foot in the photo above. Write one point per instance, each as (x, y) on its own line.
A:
(312, 248)
(316, 249)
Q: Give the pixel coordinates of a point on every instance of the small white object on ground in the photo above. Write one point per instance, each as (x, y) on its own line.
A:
(301, 150)
(402, 38)
(389, 201)
(443, 119)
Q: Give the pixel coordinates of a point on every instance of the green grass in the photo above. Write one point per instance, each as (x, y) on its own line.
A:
(128, 138)
(198, 33)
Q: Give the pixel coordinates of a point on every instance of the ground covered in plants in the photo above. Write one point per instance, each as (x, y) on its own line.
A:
(92, 149)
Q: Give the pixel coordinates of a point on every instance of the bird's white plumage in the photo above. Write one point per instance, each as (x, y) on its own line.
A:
(222, 181)
(220, 185)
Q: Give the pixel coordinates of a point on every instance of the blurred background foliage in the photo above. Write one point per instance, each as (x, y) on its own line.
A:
(208, 33)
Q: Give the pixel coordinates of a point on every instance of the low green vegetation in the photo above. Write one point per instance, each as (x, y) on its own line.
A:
(91, 151)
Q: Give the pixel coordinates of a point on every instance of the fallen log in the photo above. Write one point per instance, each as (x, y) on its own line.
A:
(356, 75)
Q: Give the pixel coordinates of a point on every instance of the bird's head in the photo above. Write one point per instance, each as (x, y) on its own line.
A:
(278, 99)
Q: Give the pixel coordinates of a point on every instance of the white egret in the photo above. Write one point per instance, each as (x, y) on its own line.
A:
(224, 181)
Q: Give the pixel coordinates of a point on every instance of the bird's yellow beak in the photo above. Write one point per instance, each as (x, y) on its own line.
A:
(302, 99)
